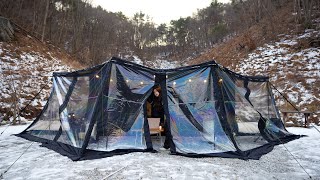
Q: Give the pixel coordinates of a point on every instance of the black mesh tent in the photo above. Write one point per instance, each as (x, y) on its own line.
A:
(210, 110)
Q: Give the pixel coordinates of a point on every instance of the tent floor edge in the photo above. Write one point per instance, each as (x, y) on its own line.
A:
(252, 154)
(74, 153)
(229, 154)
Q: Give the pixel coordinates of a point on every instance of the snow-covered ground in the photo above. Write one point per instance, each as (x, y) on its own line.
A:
(41, 163)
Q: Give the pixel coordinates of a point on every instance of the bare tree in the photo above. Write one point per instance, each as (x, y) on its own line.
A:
(45, 20)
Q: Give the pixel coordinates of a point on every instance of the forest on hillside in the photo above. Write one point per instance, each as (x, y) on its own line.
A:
(92, 34)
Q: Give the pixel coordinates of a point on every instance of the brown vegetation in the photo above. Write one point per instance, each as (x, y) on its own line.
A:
(229, 53)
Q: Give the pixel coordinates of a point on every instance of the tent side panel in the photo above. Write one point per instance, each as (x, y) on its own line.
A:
(123, 115)
(195, 124)
(47, 124)
(255, 123)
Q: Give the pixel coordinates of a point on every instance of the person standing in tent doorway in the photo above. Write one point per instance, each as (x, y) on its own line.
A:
(157, 111)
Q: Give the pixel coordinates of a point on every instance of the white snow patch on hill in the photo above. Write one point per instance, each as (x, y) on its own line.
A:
(165, 64)
(22, 77)
(155, 64)
(294, 72)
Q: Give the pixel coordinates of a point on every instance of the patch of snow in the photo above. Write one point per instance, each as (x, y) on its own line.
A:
(306, 97)
(312, 53)
(164, 64)
(26, 72)
(137, 60)
(310, 81)
(288, 68)
(293, 97)
(287, 42)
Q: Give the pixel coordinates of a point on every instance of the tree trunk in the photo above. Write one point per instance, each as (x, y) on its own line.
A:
(34, 16)
(45, 21)
(6, 30)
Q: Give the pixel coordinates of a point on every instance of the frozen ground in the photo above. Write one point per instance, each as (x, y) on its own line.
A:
(40, 163)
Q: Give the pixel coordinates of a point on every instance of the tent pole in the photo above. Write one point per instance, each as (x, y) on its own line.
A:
(105, 80)
(219, 96)
(163, 85)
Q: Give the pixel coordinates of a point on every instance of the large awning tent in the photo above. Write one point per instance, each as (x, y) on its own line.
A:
(210, 111)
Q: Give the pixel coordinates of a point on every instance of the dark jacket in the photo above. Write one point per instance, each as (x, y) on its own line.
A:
(157, 110)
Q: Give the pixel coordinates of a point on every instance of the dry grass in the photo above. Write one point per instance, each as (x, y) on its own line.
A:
(27, 43)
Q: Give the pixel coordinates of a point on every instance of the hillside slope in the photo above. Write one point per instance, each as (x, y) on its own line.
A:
(26, 65)
(294, 71)
(290, 56)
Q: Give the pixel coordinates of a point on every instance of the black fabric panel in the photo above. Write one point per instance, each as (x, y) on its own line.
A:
(83, 72)
(58, 134)
(98, 111)
(163, 85)
(116, 60)
(187, 112)
(67, 97)
(248, 78)
(73, 152)
(245, 85)
(63, 149)
(229, 154)
(254, 154)
(287, 138)
(64, 105)
(146, 127)
(220, 97)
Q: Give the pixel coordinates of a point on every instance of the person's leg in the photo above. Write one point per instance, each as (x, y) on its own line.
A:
(161, 123)
(166, 144)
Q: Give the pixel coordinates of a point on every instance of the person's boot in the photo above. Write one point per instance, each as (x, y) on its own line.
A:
(166, 144)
